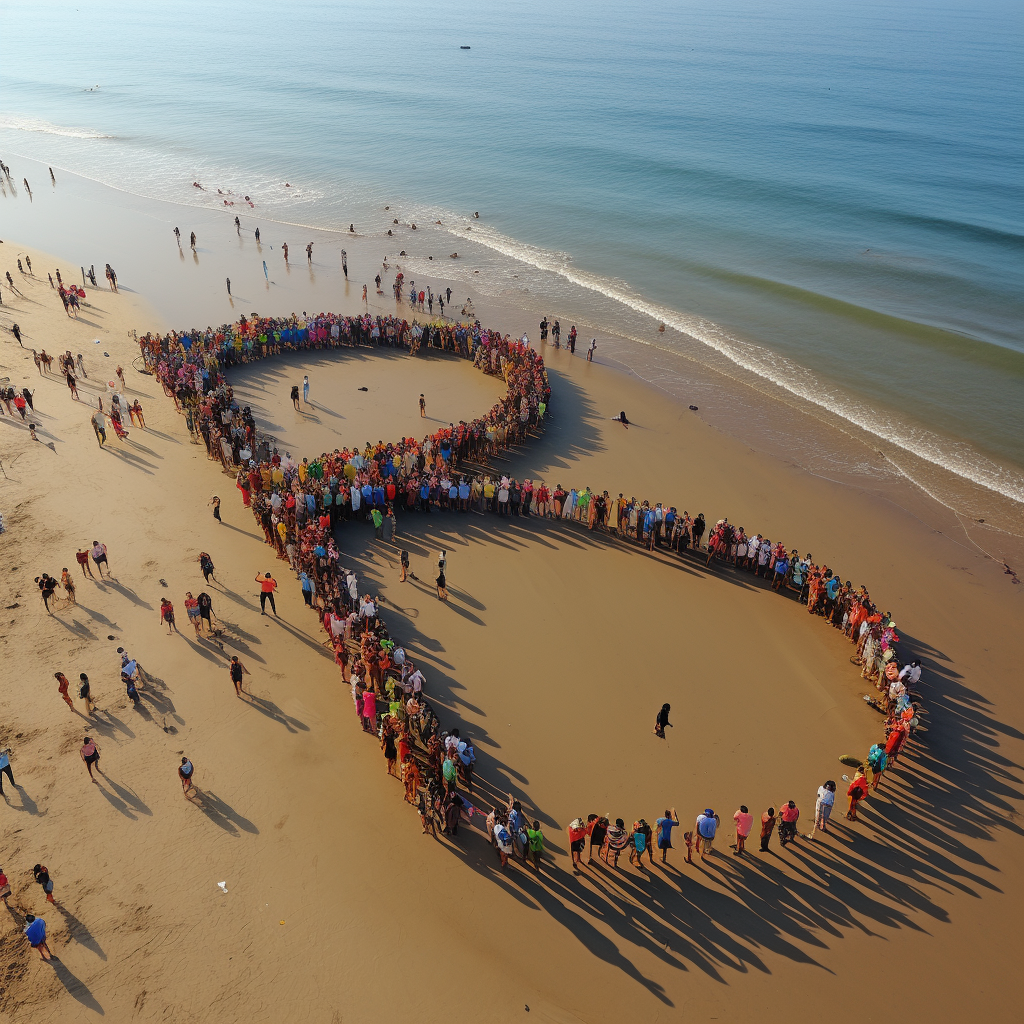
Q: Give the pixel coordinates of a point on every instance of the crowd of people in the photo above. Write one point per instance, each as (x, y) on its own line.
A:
(300, 503)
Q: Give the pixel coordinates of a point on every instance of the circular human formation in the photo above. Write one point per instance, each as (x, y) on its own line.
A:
(300, 503)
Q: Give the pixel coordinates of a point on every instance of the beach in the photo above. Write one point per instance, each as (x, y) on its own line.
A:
(554, 652)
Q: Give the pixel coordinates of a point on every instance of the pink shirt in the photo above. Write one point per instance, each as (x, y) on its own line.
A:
(789, 813)
(744, 823)
(369, 704)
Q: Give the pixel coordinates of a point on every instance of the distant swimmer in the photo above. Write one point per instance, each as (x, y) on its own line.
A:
(352, 228)
(195, 184)
(621, 418)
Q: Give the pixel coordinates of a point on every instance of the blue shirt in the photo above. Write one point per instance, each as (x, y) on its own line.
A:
(36, 931)
(666, 825)
(707, 826)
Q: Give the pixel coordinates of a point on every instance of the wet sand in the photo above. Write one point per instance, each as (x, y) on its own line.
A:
(555, 652)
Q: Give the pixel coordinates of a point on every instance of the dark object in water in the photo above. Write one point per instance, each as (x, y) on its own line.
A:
(693, 408)
(364, 389)
(463, 47)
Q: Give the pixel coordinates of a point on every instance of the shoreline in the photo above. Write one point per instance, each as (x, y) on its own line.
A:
(755, 411)
(554, 652)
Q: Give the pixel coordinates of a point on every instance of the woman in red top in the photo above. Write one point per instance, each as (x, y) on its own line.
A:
(167, 615)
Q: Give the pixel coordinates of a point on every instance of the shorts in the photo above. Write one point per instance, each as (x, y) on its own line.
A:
(664, 844)
(577, 845)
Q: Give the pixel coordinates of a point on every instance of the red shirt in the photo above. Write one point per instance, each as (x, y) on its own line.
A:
(268, 586)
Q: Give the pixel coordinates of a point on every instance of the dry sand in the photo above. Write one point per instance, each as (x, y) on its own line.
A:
(554, 653)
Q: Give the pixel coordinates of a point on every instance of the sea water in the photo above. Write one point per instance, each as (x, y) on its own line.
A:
(827, 199)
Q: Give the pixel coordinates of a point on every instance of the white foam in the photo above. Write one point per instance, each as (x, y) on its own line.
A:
(32, 124)
(956, 457)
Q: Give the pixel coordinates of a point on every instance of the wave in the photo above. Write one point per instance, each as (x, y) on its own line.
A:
(32, 124)
(957, 458)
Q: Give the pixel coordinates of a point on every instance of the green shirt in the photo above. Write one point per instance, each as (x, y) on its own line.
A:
(377, 518)
(536, 840)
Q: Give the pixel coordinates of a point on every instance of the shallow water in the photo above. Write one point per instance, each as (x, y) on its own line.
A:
(824, 203)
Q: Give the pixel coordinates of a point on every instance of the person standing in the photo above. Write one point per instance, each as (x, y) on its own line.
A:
(744, 823)
(662, 721)
(62, 687)
(99, 556)
(228, 280)
(16, 331)
(706, 829)
(236, 669)
(205, 604)
(305, 389)
(193, 241)
(344, 263)
(35, 932)
(167, 615)
(309, 253)
(858, 791)
(535, 841)
(91, 756)
(665, 826)
(423, 407)
(99, 425)
(185, 770)
(789, 815)
(267, 587)
(823, 807)
(42, 875)
(85, 692)
(5, 769)
(767, 827)
(215, 502)
(405, 567)
(577, 830)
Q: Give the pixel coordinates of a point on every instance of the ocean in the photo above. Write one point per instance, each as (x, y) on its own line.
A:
(825, 203)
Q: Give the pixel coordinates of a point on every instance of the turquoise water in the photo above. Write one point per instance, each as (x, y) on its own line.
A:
(831, 199)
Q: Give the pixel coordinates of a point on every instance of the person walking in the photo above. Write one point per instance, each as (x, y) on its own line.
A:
(267, 587)
(42, 875)
(62, 688)
(99, 556)
(744, 823)
(5, 769)
(215, 502)
(91, 756)
(35, 932)
(85, 692)
(236, 669)
(99, 425)
(405, 567)
(767, 827)
(229, 286)
(423, 407)
(185, 770)
(83, 561)
(665, 826)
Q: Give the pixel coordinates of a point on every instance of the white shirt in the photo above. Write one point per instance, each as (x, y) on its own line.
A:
(826, 797)
(417, 681)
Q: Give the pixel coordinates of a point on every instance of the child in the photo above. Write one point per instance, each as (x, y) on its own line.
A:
(688, 839)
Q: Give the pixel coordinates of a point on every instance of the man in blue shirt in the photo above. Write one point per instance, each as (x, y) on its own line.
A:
(665, 826)
(707, 826)
(35, 932)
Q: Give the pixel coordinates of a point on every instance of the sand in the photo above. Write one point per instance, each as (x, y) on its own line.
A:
(557, 648)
